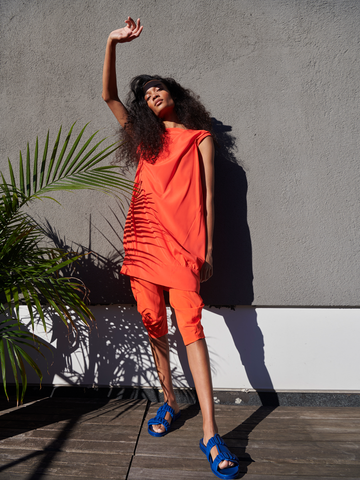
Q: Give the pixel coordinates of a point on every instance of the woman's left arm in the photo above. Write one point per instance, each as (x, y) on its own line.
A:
(207, 152)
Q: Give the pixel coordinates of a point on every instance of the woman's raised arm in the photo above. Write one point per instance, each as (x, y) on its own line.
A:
(110, 92)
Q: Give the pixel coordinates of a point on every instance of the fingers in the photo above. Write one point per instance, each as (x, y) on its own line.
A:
(135, 28)
(131, 24)
(138, 28)
(206, 272)
(128, 22)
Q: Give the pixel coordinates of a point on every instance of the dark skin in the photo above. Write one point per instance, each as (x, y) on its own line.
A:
(160, 102)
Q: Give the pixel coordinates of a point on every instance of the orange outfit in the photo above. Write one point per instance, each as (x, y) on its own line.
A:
(151, 305)
(165, 232)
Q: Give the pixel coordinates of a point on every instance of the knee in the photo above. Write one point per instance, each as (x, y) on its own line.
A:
(188, 308)
(155, 324)
(190, 326)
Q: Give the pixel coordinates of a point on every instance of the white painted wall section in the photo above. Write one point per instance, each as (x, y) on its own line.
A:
(291, 349)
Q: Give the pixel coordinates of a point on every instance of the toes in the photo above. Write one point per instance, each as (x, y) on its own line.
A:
(158, 428)
(225, 464)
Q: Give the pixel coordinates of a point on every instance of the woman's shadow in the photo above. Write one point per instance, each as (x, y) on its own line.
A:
(232, 284)
(233, 276)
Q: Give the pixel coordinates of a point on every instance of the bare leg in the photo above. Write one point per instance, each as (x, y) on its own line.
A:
(198, 358)
(161, 354)
(199, 362)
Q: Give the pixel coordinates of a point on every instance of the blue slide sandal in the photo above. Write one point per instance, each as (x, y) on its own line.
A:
(224, 454)
(160, 419)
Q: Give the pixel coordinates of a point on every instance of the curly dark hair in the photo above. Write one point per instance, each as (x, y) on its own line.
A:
(144, 133)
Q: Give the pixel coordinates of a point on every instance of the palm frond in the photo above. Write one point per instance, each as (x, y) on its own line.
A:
(11, 337)
(73, 171)
(30, 274)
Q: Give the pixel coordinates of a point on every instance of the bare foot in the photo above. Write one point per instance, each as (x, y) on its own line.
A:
(160, 428)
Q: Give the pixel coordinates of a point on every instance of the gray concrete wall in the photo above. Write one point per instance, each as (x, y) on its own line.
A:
(281, 80)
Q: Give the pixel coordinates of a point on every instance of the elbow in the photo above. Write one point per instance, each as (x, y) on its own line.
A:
(108, 97)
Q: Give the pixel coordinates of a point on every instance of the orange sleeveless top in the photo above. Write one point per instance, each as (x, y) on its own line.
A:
(165, 233)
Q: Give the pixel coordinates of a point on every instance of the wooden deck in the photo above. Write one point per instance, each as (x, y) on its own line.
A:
(67, 438)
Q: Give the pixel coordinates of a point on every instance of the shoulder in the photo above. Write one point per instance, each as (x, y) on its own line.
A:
(206, 145)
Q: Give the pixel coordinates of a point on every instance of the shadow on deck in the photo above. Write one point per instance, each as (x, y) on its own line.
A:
(100, 438)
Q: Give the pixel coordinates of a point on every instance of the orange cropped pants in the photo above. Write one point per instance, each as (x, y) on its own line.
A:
(151, 305)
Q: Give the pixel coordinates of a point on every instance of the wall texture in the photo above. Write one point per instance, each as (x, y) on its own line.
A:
(281, 81)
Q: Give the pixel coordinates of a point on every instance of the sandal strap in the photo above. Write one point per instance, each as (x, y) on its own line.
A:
(216, 440)
(160, 416)
(164, 409)
(223, 451)
(159, 420)
(225, 456)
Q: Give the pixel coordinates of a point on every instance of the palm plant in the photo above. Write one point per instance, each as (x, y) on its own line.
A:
(30, 273)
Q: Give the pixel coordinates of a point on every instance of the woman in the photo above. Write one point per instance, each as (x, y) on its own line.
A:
(169, 228)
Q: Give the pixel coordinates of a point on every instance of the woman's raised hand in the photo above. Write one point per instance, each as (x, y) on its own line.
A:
(128, 33)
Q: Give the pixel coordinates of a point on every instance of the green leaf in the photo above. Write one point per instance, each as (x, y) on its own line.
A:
(53, 156)
(73, 166)
(12, 177)
(30, 361)
(81, 163)
(21, 170)
(25, 291)
(35, 169)
(43, 163)
(22, 373)
(28, 184)
(15, 296)
(58, 163)
(13, 366)
(35, 299)
(76, 143)
(99, 156)
(3, 369)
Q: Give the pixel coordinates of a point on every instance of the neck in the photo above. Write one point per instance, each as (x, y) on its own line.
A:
(169, 124)
(171, 120)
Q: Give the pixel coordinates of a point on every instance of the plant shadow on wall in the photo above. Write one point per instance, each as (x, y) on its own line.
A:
(115, 351)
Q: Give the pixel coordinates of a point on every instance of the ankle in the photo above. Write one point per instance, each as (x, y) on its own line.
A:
(209, 432)
(173, 404)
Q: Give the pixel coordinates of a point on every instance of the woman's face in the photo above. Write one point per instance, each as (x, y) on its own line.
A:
(158, 98)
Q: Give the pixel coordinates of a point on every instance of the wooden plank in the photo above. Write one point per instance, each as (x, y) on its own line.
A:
(89, 441)
(80, 445)
(154, 474)
(293, 435)
(201, 468)
(112, 413)
(80, 465)
(73, 407)
(333, 453)
(45, 476)
(186, 432)
(78, 431)
(237, 415)
(18, 456)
